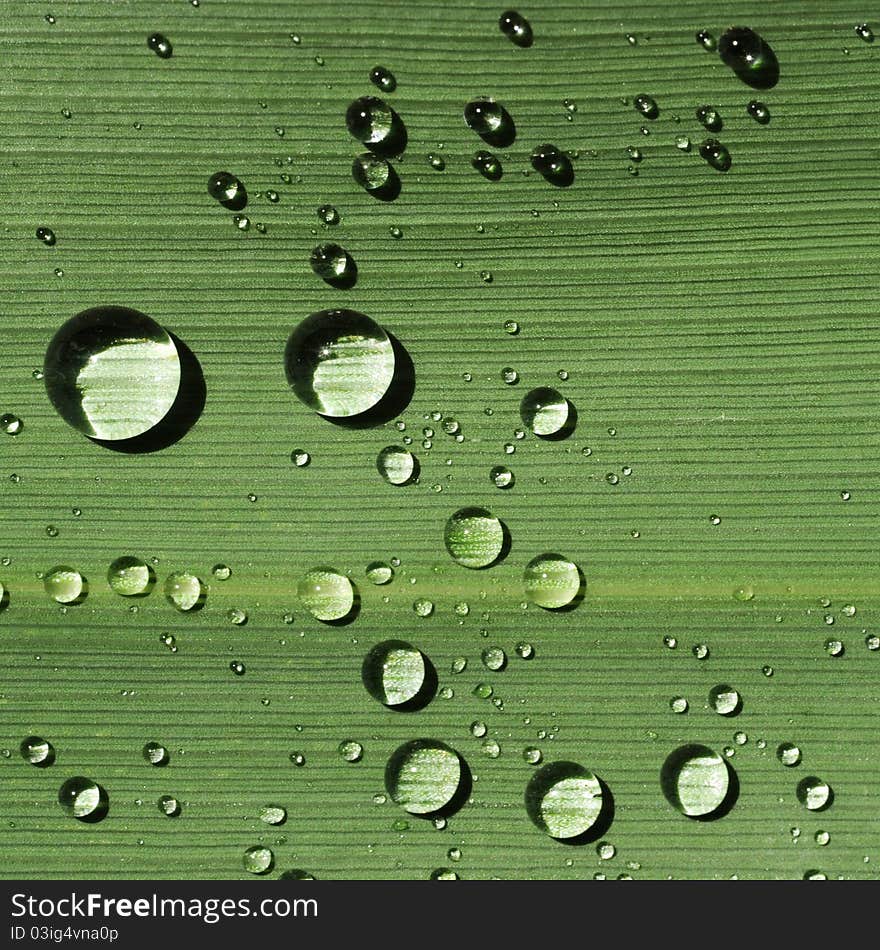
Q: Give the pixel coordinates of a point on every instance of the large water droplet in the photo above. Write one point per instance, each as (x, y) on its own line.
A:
(327, 595)
(553, 581)
(66, 585)
(545, 411)
(553, 164)
(83, 799)
(398, 675)
(426, 777)
(130, 577)
(749, 56)
(184, 591)
(474, 537)
(397, 465)
(567, 801)
(228, 190)
(375, 124)
(112, 373)
(491, 121)
(339, 362)
(37, 751)
(697, 781)
(725, 700)
(814, 794)
(516, 28)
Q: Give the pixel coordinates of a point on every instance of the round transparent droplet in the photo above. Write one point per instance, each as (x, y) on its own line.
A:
(82, 798)
(474, 537)
(156, 754)
(379, 573)
(716, 154)
(814, 793)
(331, 262)
(494, 658)
(370, 120)
(395, 673)
(678, 704)
(383, 79)
(646, 106)
(350, 750)
(424, 776)
(725, 700)
(130, 577)
(339, 362)
(544, 411)
(695, 779)
(258, 860)
(371, 172)
(396, 465)
(112, 373)
(564, 800)
(184, 591)
(501, 477)
(228, 190)
(552, 581)
(788, 754)
(169, 806)
(37, 751)
(273, 814)
(327, 594)
(516, 28)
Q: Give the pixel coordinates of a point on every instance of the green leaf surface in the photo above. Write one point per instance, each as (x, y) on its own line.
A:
(716, 332)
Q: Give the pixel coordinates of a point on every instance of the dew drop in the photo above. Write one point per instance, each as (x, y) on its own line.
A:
(37, 751)
(501, 477)
(184, 591)
(375, 124)
(398, 675)
(554, 165)
(221, 571)
(130, 577)
(228, 190)
(383, 79)
(516, 28)
(328, 215)
(716, 154)
(397, 465)
(746, 53)
(65, 585)
(491, 121)
(10, 423)
(788, 754)
(814, 794)
(379, 573)
(646, 106)
(545, 412)
(709, 118)
(707, 40)
(169, 806)
(678, 704)
(696, 781)
(564, 800)
(474, 537)
(864, 32)
(553, 582)
(258, 860)
(339, 362)
(47, 236)
(374, 174)
(112, 373)
(725, 700)
(83, 799)
(327, 594)
(156, 754)
(350, 751)
(160, 45)
(425, 776)
(758, 111)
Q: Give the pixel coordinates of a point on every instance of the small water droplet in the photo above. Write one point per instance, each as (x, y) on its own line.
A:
(491, 121)
(47, 236)
(258, 860)
(553, 164)
(746, 53)
(758, 111)
(814, 794)
(683, 143)
(709, 118)
(545, 412)
(327, 594)
(864, 32)
(375, 124)
(725, 700)
(328, 215)
(10, 423)
(398, 675)
(700, 651)
(350, 750)
(156, 754)
(788, 754)
(37, 751)
(516, 28)
(273, 814)
(716, 154)
(169, 806)
(646, 106)
(184, 591)
(130, 577)
(379, 573)
(678, 704)
(553, 582)
(160, 45)
(383, 79)
(707, 40)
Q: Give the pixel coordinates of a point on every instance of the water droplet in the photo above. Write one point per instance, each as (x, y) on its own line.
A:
(696, 780)
(716, 154)
(156, 754)
(130, 577)
(743, 50)
(509, 375)
(222, 572)
(864, 32)
(395, 232)
(444, 874)
(83, 799)
(339, 362)
(47, 236)
(237, 616)
(822, 838)
(709, 118)
(872, 642)
(242, 222)
(425, 776)
(635, 154)
(707, 40)
(66, 585)
(437, 162)
(227, 190)
(511, 327)
(474, 537)
(552, 581)
(10, 423)
(725, 700)
(423, 607)
(488, 165)
(788, 754)
(545, 412)
(375, 175)
(700, 651)
(37, 751)
(329, 215)
(491, 121)
(184, 591)
(237, 667)
(327, 594)
(375, 124)
(169, 806)
(516, 28)
(273, 814)
(298, 759)
(160, 45)
(758, 111)
(834, 647)
(494, 658)
(814, 794)
(379, 573)
(501, 477)
(632, 39)
(112, 373)
(683, 143)
(845, 496)
(258, 860)
(678, 704)
(646, 106)
(398, 675)
(564, 800)
(350, 750)
(524, 650)
(397, 465)
(554, 165)
(383, 79)
(606, 850)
